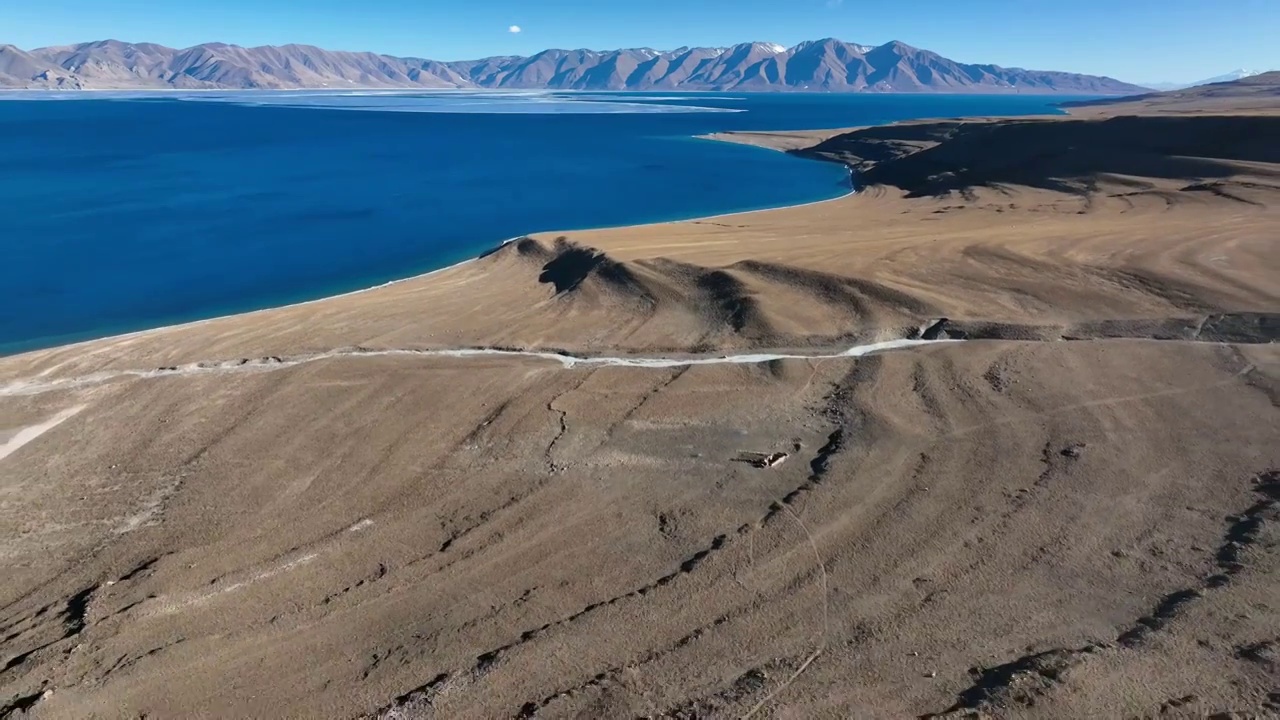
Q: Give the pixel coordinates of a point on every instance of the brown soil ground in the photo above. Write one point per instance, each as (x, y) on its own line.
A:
(1073, 513)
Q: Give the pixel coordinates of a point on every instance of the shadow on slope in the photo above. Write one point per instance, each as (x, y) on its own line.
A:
(663, 303)
(571, 265)
(1071, 156)
(745, 303)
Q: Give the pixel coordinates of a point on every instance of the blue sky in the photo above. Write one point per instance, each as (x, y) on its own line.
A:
(1136, 40)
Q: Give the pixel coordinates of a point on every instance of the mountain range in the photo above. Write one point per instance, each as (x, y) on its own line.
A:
(821, 65)
(1225, 77)
(1259, 92)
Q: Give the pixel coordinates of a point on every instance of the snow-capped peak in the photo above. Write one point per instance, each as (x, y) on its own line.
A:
(1229, 77)
(767, 47)
(1238, 74)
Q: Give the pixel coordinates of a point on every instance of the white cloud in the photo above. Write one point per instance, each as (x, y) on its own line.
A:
(514, 29)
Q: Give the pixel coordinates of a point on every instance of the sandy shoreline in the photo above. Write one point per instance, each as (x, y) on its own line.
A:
(197, 323)
(724, 137)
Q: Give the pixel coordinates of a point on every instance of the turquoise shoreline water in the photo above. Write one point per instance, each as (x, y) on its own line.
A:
(127, 213)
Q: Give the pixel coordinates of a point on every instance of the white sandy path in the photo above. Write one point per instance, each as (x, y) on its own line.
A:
(175, 604)
(27, 434)
(36, 386)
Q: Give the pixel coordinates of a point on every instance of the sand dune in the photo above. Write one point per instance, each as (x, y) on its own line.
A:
(520, 487)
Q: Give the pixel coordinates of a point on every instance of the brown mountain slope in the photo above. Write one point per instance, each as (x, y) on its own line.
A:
(991, 526)
(19, 68)
(115, 64)
(828, 65)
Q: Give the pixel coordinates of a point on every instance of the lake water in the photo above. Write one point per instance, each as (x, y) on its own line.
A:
(122, 212)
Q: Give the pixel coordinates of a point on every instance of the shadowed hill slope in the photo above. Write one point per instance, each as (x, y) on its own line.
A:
(1073, 156)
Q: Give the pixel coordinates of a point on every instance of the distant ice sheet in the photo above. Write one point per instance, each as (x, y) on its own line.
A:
(454, 101)
(429, 101)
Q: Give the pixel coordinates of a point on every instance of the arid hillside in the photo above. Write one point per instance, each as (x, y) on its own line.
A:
(997, 436)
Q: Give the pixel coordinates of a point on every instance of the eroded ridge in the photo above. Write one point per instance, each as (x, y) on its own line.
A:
(1019, 682)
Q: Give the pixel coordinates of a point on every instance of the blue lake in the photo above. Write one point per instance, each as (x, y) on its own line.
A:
(120, 213)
